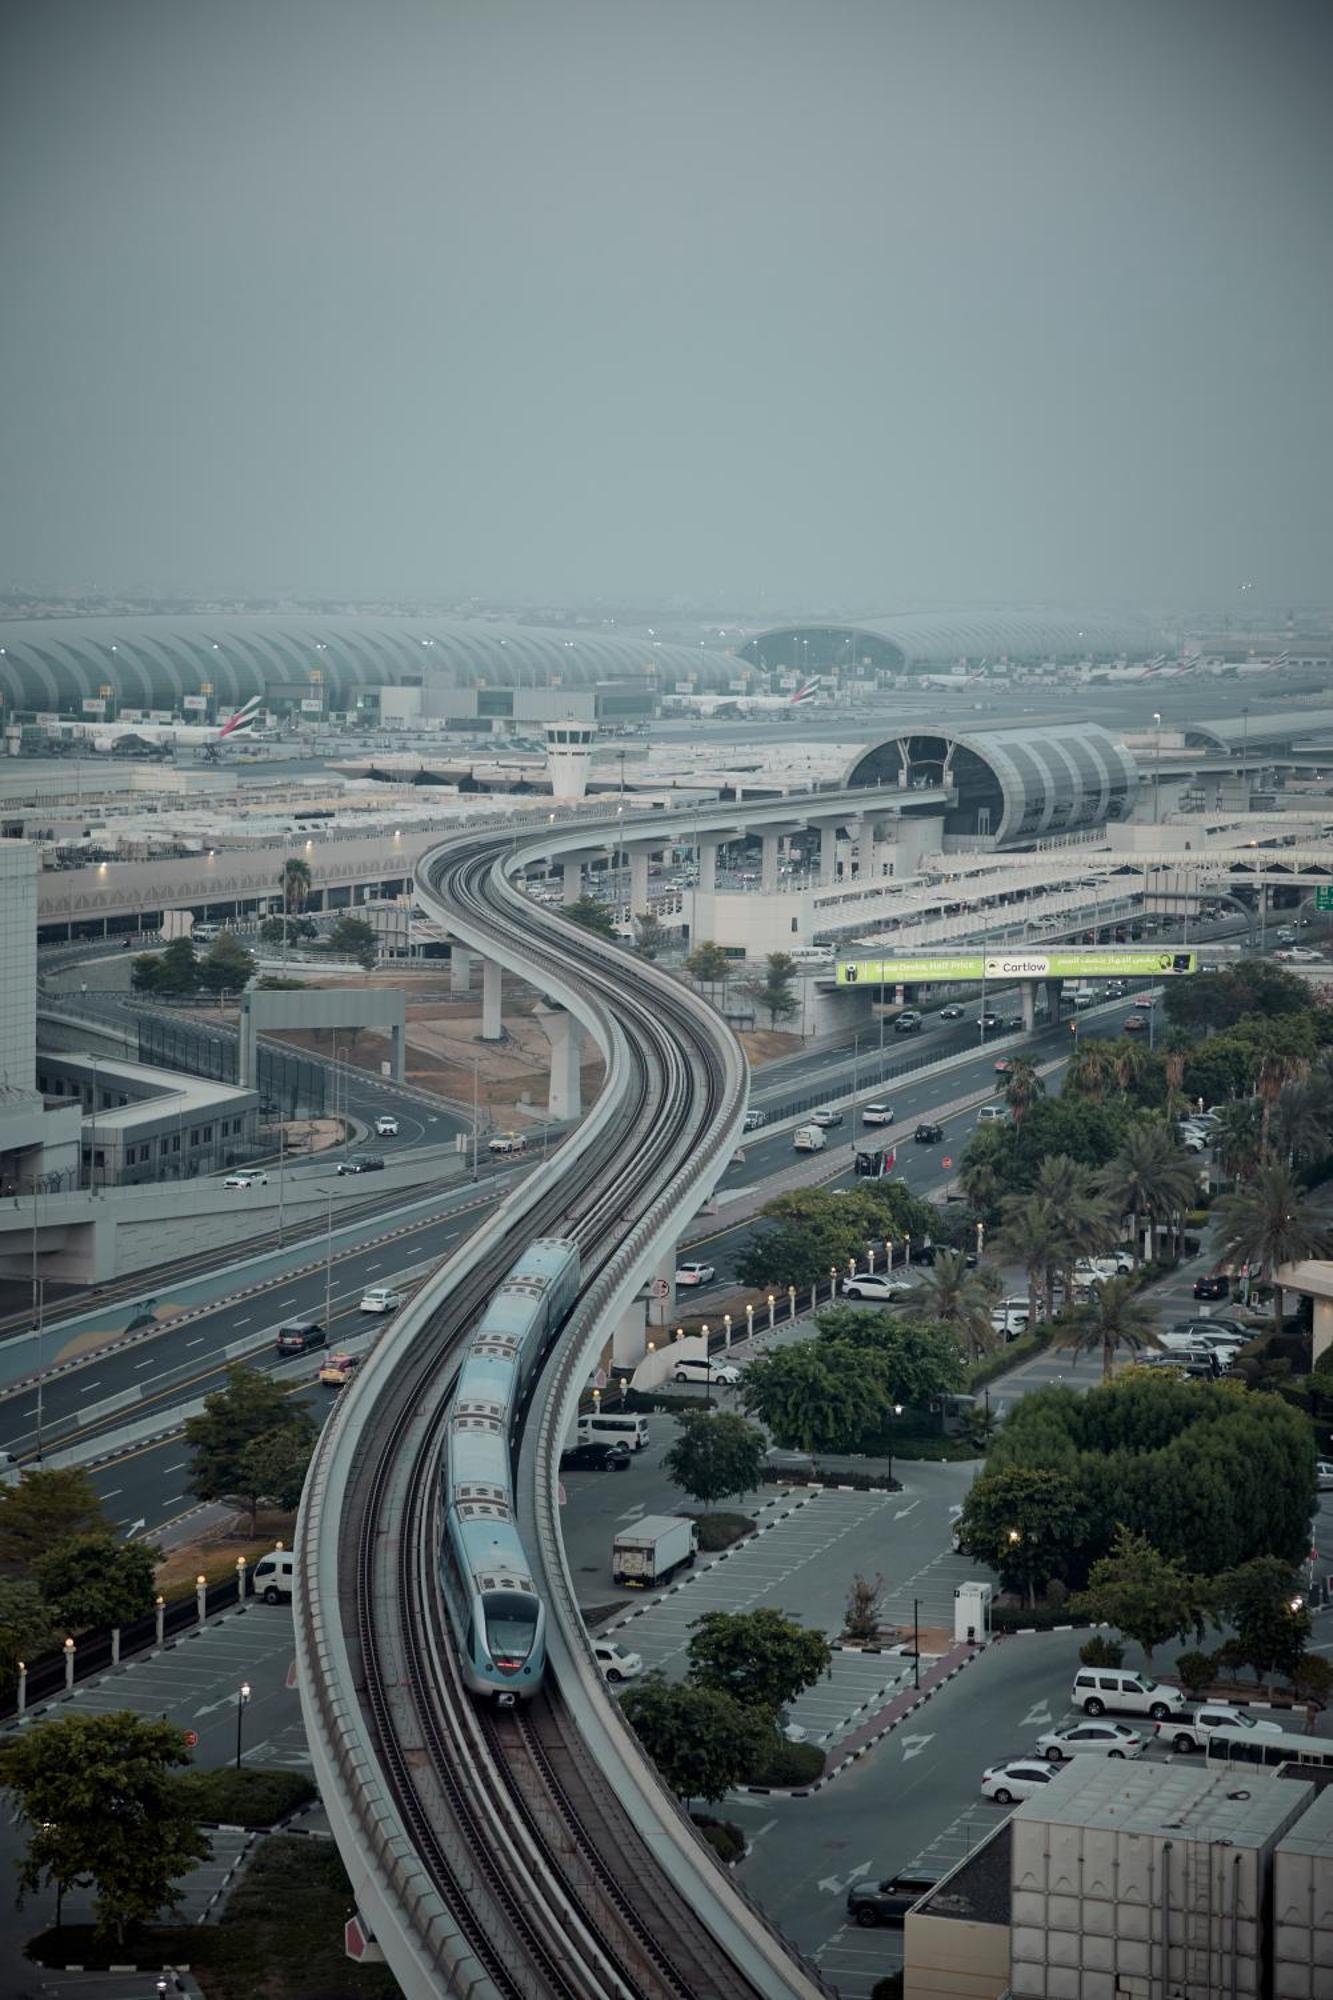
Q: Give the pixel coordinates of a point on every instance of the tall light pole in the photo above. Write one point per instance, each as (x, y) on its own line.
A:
(476, 1110)
(92, 1148)
(1157, 768)
(242, 1701)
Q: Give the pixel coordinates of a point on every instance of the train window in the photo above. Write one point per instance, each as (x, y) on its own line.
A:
(511, 1626)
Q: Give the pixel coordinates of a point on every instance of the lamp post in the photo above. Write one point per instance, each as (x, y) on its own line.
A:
(1157, 768)
(242, 1699)
(476, 1110)
(896, 1411)
(916, 1642)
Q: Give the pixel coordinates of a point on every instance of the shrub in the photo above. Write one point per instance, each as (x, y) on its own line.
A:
(1041, 1618)
(246, 1797)
(1057, 1592)
(1313, 1679)
(888, 1988)
(783, 1763)
(865, 1607)
(719, 1531)
(726, 1840)
(1099, 1651)
(1197, 1671)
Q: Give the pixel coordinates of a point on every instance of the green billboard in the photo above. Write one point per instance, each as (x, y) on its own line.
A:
(977, 966)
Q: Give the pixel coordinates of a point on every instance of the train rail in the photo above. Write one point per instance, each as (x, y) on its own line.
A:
(492, 1853)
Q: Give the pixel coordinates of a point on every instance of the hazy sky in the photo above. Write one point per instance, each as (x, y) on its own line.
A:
(871, 302)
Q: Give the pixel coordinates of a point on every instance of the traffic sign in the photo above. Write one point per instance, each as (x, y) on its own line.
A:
(947, 1161)
(191, 1739)
(359, 1942)
(1323, 897)
(661, 1288)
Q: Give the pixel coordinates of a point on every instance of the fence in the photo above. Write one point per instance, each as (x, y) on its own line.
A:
(294, 1083)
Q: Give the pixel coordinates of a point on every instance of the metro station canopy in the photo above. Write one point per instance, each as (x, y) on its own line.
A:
(916, 641)
(152, 662)
(1016, 784)
(1239, 733)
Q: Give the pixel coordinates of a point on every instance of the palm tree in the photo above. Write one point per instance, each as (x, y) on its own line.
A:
(295, 884)
(1270, 1222)
(1022, 1087)
(1030, 1235)
(1275, 1071)
(1082, 1221)
(1236, 1138)
(1150, 1179)
(1115, 1317)
(962, 1298)
(1091, 1071)
(1299, 1126)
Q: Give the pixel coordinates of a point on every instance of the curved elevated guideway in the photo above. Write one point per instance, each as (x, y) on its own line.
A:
(521, 1853)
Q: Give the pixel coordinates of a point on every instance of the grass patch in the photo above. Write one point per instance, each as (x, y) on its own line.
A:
(719, 1531)
(216, 1559)
(785, 1763)
(938, 1448)
(281, 1935)
(245, 1797)
(727, 1841)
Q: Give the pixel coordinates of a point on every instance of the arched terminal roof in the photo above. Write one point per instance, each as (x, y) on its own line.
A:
(1012, 785)
(55, 663)
(1266, 732)
(917, 640)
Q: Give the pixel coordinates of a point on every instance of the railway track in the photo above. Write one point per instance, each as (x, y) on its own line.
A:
(548, 1886)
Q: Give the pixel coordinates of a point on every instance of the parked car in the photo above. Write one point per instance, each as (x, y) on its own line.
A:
(887, 1902)
(381, 1299)
(298, 1336)
(386, 1125)
(1194, 1139)
(1011, 1321)
(953, 1012)
(507, 1142)
(1099, 1689)
(1016, 1779)
(1215, 1286)
(1098, 1739)
(361, 1163)
(1191, 1732)
(877, 1114)
(876, 1285)
(1323, 1475)
(691, 1368)
(692, 1274)
(616, 1664)
(243, 1178)
(595, 1457)
(826, 1116)
(339, 1369)
(927, 1134)
(1096, 1270)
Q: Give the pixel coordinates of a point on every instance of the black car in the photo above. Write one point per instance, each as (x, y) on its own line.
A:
(871, 1903)
(1216, 1287)
(953, 1012)
(298, 1336)
(928, 1135)
(988, 1021)
(595, 1457)
(1012, 1023)
(361, 1163)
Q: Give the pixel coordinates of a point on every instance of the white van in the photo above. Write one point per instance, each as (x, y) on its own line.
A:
(992, 1114)
(1083, 996)
(275, 1576)
(810, 954)
(809, 1139)
(1097, 1689)
(608, 1426)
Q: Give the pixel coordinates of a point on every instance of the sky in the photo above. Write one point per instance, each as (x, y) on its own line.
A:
(861, 304)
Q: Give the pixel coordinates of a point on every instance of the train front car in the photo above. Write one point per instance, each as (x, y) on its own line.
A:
(494, 1607)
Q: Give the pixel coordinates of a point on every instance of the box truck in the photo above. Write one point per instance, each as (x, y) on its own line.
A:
(652, 1550)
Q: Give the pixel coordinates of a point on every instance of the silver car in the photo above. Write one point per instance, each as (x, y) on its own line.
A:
(1097, 1739)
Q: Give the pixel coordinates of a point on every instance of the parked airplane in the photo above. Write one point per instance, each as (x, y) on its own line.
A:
(752, 704)
(105, 737)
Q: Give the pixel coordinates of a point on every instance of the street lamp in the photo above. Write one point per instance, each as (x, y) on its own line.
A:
(896, 1411)
(1157, 768)
(242, 1700)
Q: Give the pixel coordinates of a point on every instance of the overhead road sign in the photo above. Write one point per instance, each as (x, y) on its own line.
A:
(1323, 897)
(1016, 965)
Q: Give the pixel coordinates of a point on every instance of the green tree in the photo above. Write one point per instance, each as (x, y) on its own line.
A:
(173, 971)
(227, 966)
(817, 1395)
(26, 1625)
(272, 931)
(1022, 1087)
(353, 937)
(1115, 1317)
(761, 1658)
(1263, 1603)
(273, 1468)
(918, 1360)
(805, 1234)
(1150, 1179)
(709, 965)
(776, 995)
(1091, 1072)
(1238, 1138)
(702, 1742)
(1028, 1522)
(1299, 1127)
(1030, 1235)
(296, 881)
(592, 915)
(101, 1807)
(963, 1298)
(716, 1456)
(651, 937)
(48, 1504)
(92, 1581)
(252, 1404)
(1267, 1223)
(1147, 1597)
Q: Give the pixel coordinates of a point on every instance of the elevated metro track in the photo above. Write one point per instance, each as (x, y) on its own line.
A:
(533, 1854)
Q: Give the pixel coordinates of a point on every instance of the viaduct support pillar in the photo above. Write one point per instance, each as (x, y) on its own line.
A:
(768, 864)
(492, 1028)
(1054, 987)
(571, 875)
(460, 969)
(564, 1097)
(708, 853)
(1027, 993)
(638, 881)
(828, 852)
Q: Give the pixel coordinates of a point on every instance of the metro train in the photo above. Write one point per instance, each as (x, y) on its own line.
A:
(498, 1618)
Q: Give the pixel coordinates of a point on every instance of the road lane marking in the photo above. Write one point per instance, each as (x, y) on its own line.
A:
(243, 1322)
(149, 1363)
(175, 1468)
(89, 1387)
(197, 1343)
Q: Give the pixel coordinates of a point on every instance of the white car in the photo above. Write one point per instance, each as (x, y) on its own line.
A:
(1194, 1139)
(691, 1276)
(722, 1374)
(877, 1114)
(1096, 1270)
(245, 1179)
(1009, 1320)
(616, 1664)
(507, 1142)
(826, 1116)
(1017, 1779)
(1323, 1476)
(1304, 954)
(876, 1285)
(1097, 1739)
(387, 1125)
(381, 1299)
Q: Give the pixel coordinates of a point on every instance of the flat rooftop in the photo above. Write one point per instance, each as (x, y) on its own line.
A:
(977, 1890)
(1245, 1808)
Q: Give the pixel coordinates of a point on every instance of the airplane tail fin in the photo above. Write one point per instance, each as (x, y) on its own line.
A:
(244, 718)
(806, 691)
